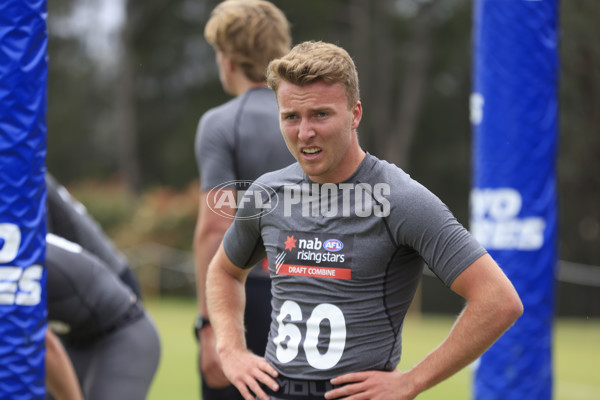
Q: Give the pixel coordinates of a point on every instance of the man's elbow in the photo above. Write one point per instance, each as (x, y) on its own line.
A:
(513, 307)
(208, 237)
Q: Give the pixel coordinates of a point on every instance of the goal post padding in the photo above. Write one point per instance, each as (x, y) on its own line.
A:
(23, 82)
(514, 114)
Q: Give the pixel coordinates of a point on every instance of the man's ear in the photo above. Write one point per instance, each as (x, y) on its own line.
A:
(356, 114)
(229, 65)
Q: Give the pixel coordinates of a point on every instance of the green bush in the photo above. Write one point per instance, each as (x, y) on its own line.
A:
(161, 215)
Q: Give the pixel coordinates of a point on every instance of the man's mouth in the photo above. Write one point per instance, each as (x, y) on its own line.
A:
(311, 151)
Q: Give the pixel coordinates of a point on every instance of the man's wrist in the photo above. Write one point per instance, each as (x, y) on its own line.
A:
(201, 323)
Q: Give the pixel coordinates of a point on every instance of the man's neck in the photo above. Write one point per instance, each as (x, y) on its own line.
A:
(241, 86)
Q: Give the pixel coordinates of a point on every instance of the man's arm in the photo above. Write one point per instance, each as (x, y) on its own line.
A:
(209, 232)
(493, 305)
(226, 300)
(61, 379)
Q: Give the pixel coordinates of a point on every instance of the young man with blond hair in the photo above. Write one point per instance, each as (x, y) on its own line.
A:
(237, 142)
(345, 239)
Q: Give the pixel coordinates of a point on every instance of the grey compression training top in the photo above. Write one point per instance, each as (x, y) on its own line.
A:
(345, 260)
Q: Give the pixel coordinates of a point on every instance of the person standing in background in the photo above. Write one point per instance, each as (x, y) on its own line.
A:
(237, 142)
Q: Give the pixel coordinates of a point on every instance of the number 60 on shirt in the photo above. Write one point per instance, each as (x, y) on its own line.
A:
(292, 333)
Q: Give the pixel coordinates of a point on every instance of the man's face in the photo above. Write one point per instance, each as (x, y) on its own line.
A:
(320, 130)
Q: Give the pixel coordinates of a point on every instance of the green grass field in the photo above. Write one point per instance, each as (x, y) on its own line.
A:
(576, 354)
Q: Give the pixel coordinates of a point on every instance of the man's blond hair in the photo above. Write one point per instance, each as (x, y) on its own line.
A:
(249, 32)
(311, 62)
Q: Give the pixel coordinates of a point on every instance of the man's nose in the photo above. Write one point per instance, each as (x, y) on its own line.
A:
(306, 130)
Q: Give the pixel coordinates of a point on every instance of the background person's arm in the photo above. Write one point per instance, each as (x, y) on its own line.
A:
(210, 228)
(226, 300)
(61, 380)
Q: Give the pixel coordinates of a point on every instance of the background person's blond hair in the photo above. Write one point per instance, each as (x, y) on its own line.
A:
(310, 62)
(250, 33)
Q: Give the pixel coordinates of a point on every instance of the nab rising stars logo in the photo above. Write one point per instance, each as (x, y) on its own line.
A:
(314, 255)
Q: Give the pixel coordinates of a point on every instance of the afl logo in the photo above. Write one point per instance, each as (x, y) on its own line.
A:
(333, 245)
(226, 198)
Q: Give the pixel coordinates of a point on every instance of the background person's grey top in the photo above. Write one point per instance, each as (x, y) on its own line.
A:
(85, 299)
(343, 284)
(69, 219)
(240, 141)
